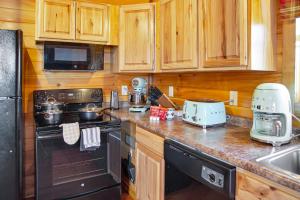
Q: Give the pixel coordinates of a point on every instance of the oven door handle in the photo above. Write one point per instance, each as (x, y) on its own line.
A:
(52, 136)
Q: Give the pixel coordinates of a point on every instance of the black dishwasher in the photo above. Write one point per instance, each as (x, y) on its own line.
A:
(193, 175)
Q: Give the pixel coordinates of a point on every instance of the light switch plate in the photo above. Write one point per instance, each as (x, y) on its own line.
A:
(233, 101)
(124, 90)
(171, 91)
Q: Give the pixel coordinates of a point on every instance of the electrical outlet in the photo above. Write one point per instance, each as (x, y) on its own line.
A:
(171, 91)
(124, 90)
(233, 100)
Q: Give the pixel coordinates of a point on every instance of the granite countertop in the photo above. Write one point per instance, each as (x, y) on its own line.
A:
(229, 143)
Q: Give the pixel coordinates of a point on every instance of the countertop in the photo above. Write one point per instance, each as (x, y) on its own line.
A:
(229, 143)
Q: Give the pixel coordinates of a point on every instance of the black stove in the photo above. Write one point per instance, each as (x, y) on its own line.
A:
(62, 170)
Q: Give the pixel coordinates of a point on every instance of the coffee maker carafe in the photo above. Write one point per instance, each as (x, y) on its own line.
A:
(272, 114)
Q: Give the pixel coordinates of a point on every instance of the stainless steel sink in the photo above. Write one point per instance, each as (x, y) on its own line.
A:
(286, 161)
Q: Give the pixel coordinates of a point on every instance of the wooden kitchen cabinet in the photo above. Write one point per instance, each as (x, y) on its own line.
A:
(179, 34)
(92, 22)
(56, 19)
(223, 33)
(150, 166)
(76, 21)
(137, 38)
(253, 187)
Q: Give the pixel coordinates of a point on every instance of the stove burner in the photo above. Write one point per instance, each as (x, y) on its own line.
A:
(74, 100)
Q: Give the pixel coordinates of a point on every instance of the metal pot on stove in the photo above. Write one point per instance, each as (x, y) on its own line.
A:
(91, 112)
(51, 104)
(50, 111)
(52, 117)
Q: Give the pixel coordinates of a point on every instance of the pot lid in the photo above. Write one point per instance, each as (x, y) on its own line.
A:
(91, 108)
(51, 101)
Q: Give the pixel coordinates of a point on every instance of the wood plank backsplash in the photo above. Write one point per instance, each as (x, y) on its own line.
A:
(216, 85)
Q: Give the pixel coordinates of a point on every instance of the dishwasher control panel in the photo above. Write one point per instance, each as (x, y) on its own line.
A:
(212, 177)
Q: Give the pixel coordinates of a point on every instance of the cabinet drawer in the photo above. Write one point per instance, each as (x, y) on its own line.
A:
(153, 142)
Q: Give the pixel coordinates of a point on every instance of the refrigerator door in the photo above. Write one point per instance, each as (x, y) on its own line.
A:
(10, 63)
(10, 148)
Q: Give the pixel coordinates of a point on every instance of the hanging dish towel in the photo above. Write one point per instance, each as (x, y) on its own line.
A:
(71, 133)
(90, 139)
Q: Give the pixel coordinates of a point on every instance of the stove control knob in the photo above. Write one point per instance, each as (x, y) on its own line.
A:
(82, 185)
(212, 178)
(96, 95)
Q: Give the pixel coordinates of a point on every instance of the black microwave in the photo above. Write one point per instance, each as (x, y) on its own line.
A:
(76, 57)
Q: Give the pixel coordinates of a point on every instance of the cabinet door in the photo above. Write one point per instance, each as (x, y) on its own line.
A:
(179, 34)
(264, 35)
(92, 22)
(253, 187)
(56, 19)
(137, 43)
(223, 33)
(150, 174)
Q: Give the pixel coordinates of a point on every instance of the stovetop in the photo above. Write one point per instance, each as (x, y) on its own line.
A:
(74, 100)
(72, 118)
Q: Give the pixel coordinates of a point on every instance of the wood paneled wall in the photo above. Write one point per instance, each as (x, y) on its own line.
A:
(216, 85)
(20, 14)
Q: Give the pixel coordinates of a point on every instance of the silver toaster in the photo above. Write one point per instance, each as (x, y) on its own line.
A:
(204, 113)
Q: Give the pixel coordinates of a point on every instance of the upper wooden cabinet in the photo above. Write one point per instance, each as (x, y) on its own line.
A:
(56, 19)
(137, 38)
(179, 34)
(92, 22)
(264, 30)
(223, 33)
(76, 21)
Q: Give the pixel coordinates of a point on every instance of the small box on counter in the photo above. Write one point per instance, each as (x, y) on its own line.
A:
(161, 113)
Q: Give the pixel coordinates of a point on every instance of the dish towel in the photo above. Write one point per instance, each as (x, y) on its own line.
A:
(71, 133)
(90, 139)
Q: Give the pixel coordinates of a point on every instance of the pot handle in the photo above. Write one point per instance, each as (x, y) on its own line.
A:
(38, 106)
(101, 112)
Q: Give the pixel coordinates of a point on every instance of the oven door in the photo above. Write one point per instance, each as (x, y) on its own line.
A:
(64, 172)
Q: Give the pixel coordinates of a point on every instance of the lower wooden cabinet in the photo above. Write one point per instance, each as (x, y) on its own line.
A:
(150, 166)
(253, 187)
(150, 172)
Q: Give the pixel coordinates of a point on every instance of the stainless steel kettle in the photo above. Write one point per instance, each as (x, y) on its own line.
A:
(114, 100)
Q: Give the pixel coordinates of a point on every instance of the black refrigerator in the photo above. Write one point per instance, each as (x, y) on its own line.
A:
(11, 116)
